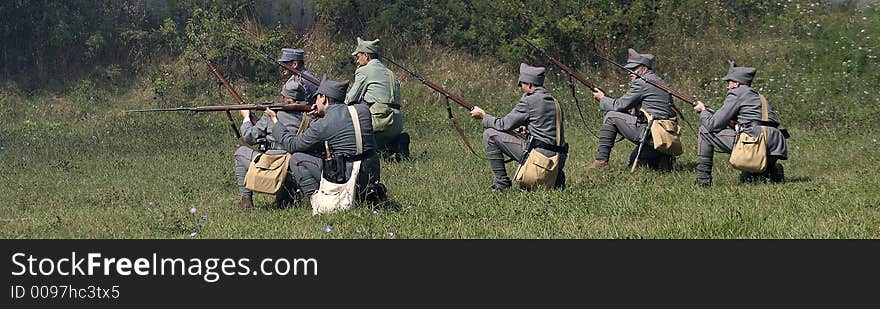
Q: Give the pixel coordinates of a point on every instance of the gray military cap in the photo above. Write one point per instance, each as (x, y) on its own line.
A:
(369, 47)
(742, 75)
(333, 89)
(634, 59)
(531, 75)
(293, 90)
(290, 54)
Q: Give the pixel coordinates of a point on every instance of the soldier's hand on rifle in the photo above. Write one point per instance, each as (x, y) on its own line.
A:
(272, 115)
(478, 112)
(314, 112)
(598, 94)
(699, 107)
(246, 114)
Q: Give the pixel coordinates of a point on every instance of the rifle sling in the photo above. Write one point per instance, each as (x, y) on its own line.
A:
(458, 128)
(578, 104)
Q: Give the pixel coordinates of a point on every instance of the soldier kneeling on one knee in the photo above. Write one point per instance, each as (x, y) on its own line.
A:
(754, 118)
(543, 119)
(334, 130)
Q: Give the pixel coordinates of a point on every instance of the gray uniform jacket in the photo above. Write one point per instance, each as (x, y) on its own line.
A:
(657, 102)
(304, 86)
(261, 132)
(743, 105)
(537, 111)
(335, 128)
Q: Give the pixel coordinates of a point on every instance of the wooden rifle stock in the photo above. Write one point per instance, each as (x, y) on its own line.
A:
(226, 85)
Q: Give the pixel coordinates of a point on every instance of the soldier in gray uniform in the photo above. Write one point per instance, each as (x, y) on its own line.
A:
(536, 112)
(624, 115)
(377, 87)
(742, 105)
(335, 128)
(295, 58)
(259, 134)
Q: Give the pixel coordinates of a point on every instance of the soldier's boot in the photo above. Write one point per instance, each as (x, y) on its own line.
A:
(498, 188)
(704, 171)
(496, 163)
(598, 165)
(245, 202)
(402, 146)
(666, 163)
(378, 193)
(746, 177)
(284, 198)
(777, 173)
(606, 141)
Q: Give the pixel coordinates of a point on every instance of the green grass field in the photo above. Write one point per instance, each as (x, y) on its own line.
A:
(85, 170)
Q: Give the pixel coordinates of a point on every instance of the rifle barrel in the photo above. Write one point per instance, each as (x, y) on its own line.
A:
(282, 65)
(458, 100)
(227, 108)
(690, 100)
(562, 66)
(173, 109)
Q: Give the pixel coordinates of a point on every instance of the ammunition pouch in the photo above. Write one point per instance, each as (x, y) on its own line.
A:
(749, 153)
(266, 172)
(538, 171)
(666, 135)
(333, 168)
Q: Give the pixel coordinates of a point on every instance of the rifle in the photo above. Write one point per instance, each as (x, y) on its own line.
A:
(228, 108)
(571, 74)
(570, 71)
(690, 100)
(225, 84)
(641, 144)
(282, 65)
(454, 98)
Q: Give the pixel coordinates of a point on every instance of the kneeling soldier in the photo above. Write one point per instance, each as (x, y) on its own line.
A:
(541, 116)
(642, 98)
(259, 134)
(752, 115)
(377, 87)
(334, 129)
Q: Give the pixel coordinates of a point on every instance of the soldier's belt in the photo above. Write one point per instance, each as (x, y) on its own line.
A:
(391, 105)
(364, 155)
(554, 148)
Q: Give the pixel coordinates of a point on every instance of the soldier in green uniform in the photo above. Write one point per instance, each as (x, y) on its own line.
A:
(742, 105)
(626, 115)
(377, 87)
(537, 112)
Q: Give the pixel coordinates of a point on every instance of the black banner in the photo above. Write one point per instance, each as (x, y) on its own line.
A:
(417, 273)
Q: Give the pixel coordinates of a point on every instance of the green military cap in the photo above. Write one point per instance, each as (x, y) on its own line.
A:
(369, 47)
(634, 59)
(531, 75)
(333, 89)
(742, 75)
